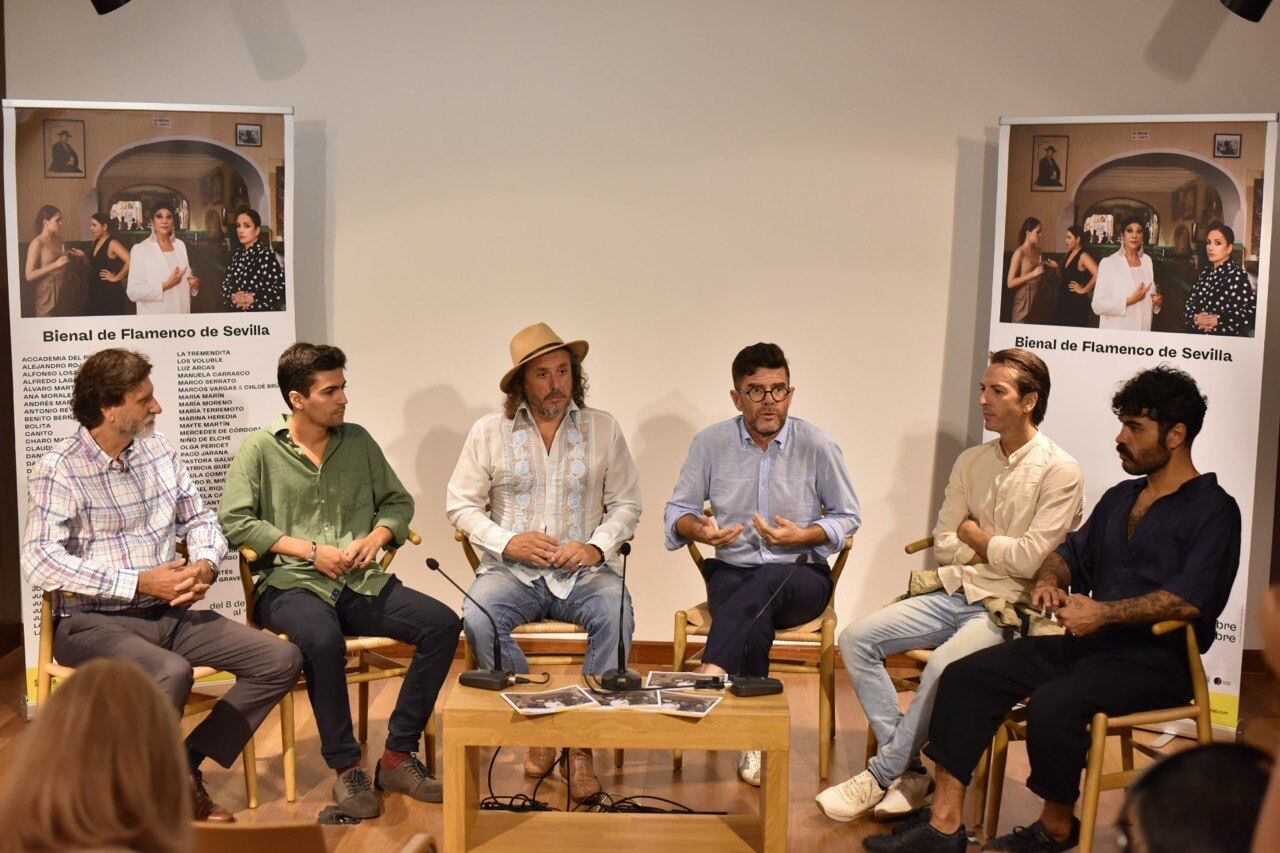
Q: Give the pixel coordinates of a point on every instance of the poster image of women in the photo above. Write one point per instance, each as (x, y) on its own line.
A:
(49, 265)
(160, 280)
(254, 279)
(1222, 302)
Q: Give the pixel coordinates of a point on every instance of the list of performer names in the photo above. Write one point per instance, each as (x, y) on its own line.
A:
(47, 381)
(209, 407)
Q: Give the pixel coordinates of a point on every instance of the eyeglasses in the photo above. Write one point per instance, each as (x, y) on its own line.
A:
(757, 394)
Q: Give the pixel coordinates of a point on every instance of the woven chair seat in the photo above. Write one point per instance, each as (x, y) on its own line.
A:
(700, 625)
(547, 626)
(57, 670)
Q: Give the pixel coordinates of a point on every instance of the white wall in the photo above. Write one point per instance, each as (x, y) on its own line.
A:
(671, 180)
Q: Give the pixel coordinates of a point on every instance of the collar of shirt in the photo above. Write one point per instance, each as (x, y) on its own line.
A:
(1014, 458)
(781, 439)
(1189, 488)
(94, 452)
(280, 429)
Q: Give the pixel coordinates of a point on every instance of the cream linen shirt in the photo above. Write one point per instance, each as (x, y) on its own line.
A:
(1029, 500)
(586, 489)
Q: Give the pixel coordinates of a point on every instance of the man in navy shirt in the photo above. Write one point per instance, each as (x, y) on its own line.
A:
(1164, 546)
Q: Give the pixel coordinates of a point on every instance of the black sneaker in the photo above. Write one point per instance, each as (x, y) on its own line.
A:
(411, 779)
(354, 794)
(919, 836)
(1035, 839)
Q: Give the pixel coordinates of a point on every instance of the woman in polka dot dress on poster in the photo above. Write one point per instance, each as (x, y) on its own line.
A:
(1222, 301)
(254, 280)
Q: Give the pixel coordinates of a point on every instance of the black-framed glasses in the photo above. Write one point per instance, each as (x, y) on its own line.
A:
(756, 394)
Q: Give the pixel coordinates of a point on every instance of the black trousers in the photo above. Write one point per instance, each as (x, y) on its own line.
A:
(1069, 679)
(735, 595)
(318, 628)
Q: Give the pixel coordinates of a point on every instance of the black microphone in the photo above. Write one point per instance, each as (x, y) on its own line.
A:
(621, 678)
(762, 685)
(485, 679)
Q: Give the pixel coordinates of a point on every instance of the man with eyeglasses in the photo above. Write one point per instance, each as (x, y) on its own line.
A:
(780, 493)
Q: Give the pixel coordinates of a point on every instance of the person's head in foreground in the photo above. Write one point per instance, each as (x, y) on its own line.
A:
(102, 767)
(1205, 800)
(1161, 411)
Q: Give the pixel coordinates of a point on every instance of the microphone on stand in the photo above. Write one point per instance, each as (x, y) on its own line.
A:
(485, 679)
(620, 677)
(762, 685)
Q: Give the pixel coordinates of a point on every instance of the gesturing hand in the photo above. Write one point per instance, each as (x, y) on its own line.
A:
(709, 533)
(574, 555)
(786, 534)
(1081, 615)
(533, 547)
(174, 277)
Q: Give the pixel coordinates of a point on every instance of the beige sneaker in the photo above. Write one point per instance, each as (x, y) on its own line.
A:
(852, 798)
(749, 767)
(539, 760)
(909, 792)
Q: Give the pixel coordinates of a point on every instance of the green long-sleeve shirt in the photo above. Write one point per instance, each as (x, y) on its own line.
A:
(274, 490)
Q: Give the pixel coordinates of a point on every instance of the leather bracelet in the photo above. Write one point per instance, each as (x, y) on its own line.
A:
(315, 549)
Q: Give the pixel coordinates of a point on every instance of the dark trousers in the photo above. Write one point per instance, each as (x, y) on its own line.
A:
(1069, 679)
(168, 642)
(319, 627)
(735, 595)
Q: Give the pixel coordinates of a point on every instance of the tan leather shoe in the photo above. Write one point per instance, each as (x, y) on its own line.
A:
(581, 774)
(202, 805)
(539, 760)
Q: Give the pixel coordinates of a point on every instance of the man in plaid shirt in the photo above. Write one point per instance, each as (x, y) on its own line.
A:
(106, 508)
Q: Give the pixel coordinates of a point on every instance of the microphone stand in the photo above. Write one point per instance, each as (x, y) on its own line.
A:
(620, 677)
(762, 685)
(485, 679)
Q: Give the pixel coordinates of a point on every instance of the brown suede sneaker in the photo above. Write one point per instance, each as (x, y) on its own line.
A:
(202, 805)
(538, 761)
(580, 772)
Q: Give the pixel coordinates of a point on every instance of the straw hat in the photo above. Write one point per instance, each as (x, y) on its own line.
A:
(533, 341)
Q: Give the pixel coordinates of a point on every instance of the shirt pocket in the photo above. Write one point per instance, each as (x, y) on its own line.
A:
(733, 499)
(795, 499)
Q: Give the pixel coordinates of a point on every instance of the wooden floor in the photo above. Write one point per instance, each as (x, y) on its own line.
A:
(708, 781)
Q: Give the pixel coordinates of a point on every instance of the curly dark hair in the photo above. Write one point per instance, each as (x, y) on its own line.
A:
(1165, 394)
(103, 380)
(515, 397)
(752, 358)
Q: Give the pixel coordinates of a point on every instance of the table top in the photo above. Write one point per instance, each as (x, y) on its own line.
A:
(482, 717)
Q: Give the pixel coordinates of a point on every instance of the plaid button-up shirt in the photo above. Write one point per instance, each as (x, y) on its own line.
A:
(94, 523)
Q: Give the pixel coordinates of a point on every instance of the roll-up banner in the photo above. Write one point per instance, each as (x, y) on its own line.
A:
(88, 188)
(1066, 185)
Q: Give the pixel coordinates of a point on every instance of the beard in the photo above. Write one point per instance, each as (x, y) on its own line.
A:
(758, 426)
(551, 407)
(1144, 463)
(144, 428)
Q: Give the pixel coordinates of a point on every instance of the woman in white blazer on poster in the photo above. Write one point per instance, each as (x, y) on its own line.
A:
(1125, 296)
(160, 279)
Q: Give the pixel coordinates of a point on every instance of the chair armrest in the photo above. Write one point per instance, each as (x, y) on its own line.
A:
(919, 545)
(248, 554)
(1168, 626)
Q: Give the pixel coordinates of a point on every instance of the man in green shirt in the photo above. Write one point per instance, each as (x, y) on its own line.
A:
(315, 496)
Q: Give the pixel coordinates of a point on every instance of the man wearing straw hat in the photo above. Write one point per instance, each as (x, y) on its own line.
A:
(547, 491)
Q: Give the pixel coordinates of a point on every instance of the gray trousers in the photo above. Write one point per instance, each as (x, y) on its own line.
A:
(168, 642)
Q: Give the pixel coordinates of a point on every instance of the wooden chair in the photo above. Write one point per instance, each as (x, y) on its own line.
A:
(535, 629)
(366, 665)
(1096, 780)
(819, 632)
(277, 837)
(47, 669)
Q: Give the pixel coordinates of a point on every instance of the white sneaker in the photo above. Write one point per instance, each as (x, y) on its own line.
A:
(851, 798)
(749, 767)
(908, 792)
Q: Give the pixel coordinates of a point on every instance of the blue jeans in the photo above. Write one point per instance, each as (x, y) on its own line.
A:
(946, 623)
(592, 603)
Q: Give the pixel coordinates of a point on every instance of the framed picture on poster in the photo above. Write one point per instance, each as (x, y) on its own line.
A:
(64, 148)
(1049, 164)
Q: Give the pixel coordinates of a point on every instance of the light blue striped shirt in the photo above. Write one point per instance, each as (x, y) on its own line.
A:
(801, 477)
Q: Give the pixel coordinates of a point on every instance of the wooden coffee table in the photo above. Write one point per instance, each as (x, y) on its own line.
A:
(476, 719)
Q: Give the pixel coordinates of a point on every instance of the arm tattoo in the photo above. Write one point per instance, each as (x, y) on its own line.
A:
(1148, 609)
(1054, 571)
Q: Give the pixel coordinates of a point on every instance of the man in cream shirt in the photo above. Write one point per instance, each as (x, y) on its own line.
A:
(563, 494)
(1009, 502)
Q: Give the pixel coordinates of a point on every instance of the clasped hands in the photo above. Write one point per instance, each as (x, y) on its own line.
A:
(545, 551)
(1079, 614)
(177, 583)
(334, 562)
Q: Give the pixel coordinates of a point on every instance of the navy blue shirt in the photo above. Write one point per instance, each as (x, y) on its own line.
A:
(1188, 543)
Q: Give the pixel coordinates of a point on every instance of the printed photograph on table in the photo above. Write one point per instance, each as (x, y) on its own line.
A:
(1155, 227)
(164, 217)
(686, 704)
(639, 700)
(550, 701)
(665, 678)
